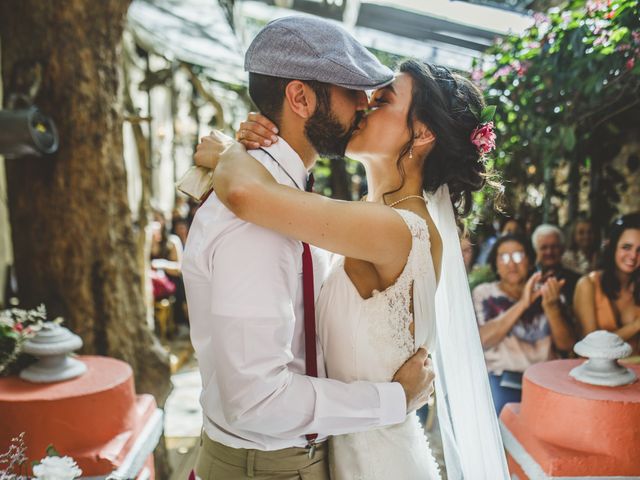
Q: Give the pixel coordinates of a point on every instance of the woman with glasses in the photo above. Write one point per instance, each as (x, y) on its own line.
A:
(609, 299)
(519, 317)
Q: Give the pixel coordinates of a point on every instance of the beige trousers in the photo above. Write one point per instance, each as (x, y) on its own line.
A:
(219, 462)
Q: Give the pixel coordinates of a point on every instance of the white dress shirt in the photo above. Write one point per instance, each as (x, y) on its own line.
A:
(245, 298)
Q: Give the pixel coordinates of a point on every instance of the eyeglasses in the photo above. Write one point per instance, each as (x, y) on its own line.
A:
(515, 257)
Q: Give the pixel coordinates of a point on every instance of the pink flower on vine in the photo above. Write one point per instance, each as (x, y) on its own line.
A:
(502, 72)
(521, 68)
(477, 74)
(603, 39)
(484, 138)
(540, 18)
(630, 64)
(597, 6)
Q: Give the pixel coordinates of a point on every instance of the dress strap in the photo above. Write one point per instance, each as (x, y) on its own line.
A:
(417, 225)
(420, 253)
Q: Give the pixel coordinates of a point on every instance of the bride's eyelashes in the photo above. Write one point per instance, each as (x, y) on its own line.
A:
(376, 103)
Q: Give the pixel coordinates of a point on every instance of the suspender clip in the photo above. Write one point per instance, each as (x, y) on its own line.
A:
(311, 446)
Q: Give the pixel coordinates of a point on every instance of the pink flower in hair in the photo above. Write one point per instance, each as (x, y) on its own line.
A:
(484, 138)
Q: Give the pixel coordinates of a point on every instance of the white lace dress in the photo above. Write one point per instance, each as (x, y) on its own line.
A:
(369, 340)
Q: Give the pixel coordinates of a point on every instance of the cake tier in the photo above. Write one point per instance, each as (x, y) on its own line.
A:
(95, 418)
(568, 428)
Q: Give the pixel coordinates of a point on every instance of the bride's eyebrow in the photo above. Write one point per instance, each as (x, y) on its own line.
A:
(388, 88)
(381, 91)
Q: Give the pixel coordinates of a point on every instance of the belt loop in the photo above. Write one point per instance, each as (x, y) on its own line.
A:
(251, 457)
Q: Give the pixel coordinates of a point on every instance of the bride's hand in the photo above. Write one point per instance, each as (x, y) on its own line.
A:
(210, 148)
(257, 131)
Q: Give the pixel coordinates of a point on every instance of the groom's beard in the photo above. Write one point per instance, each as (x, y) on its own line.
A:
(326, 134)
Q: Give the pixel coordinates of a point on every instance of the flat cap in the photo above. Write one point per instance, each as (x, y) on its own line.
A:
(310, 48)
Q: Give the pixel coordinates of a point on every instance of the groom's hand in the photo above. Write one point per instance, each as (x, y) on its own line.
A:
(416, 377)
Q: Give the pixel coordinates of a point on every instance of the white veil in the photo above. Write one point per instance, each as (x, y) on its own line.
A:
(470, 434)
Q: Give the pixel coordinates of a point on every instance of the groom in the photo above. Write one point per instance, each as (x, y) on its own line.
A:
(266, 415)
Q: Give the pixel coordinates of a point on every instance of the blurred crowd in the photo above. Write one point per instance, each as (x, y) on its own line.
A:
(537, 288)
(537, 291)
(167, 239)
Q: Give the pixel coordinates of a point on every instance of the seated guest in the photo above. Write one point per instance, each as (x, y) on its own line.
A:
(511, 225)
(505, 225)
(166, 250)
(166, 265)
(487, 233)
(520, 319)
(469, 252)
(609, 299)
(181, 229)
(548, 243)
(582, 252)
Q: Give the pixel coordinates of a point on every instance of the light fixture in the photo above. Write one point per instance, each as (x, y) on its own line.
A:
(27, 132)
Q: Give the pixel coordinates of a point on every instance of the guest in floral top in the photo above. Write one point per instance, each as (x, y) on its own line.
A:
(520, 318)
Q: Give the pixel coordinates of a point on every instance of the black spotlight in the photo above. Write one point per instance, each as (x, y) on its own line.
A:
(26, 132)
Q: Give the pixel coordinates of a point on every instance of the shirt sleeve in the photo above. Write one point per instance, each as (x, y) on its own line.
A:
(255, 276)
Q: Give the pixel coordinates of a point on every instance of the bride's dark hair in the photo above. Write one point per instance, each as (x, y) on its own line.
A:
(449, 105)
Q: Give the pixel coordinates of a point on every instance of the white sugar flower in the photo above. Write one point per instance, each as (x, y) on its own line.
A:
(6, 320)
(57, 468)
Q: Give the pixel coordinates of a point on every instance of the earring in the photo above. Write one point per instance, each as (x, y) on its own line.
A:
(411, 152)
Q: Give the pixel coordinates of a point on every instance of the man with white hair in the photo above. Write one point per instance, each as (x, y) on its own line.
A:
(548, 242)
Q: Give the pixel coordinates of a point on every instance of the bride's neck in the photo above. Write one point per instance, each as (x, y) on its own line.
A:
(383, 180)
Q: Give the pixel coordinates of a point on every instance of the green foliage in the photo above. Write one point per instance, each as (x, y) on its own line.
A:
(16, 327)
(565, 87)
(480, 274)
(51, 451)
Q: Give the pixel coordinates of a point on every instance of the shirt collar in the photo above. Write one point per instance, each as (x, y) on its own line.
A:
(289, 160)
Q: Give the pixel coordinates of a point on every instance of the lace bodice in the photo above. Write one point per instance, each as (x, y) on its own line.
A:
(369, 339)
(391, 311)
(381, 323)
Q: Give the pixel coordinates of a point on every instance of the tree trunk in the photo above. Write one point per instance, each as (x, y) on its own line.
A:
(74, 242)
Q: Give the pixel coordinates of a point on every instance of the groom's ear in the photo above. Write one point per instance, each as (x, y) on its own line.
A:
(300, 98)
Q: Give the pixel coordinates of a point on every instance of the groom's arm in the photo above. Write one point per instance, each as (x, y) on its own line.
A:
(254, 279)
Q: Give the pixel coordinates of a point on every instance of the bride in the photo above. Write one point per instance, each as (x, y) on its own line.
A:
(399, 281)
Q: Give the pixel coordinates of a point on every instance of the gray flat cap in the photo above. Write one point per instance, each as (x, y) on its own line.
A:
(310, 48)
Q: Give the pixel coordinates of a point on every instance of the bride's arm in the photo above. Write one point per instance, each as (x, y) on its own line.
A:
(362, 230)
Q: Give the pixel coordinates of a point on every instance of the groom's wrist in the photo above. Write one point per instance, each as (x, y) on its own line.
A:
(393, 403)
